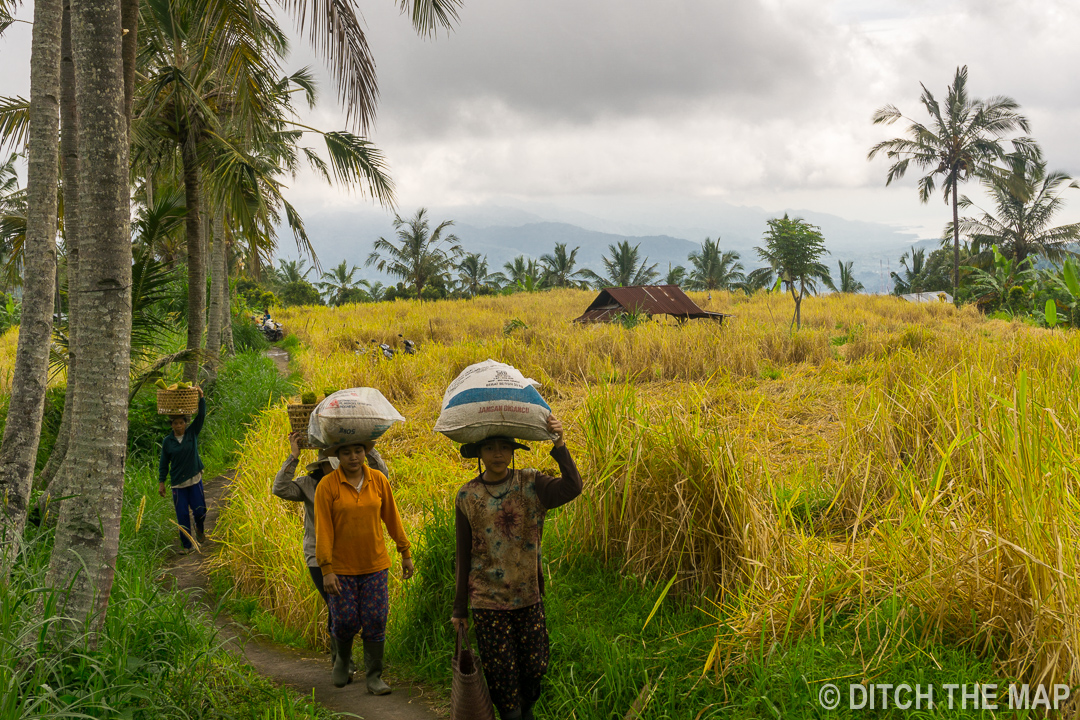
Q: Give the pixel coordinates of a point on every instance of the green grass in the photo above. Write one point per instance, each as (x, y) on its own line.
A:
(604, 656)
(158, 655)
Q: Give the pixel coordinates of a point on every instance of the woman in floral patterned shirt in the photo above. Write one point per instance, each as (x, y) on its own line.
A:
(499, 521)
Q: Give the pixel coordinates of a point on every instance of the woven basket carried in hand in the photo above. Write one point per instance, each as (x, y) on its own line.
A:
(299, 415)
(298, 422)
(183, 401)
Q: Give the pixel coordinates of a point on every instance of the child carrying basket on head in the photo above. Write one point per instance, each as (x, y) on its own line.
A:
(181, 465)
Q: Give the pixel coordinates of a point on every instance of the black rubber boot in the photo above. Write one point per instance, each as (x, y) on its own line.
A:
(341, 663)
(515, 715)
(526, 711)
(333, 649)
(373, 662)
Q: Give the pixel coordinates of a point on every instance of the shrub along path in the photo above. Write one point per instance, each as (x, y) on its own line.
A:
(307, 672)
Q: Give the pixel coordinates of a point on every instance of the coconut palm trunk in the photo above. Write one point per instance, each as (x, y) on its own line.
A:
(129, 13)
(69, 170)
(956, 241)
(87, 535)
(217, 254)
(196, 311)
(226, 303)
(23, 429)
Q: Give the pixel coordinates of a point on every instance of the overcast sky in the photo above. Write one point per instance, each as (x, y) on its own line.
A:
(649, 109)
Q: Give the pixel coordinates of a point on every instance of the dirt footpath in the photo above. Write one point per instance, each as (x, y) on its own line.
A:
(304, 671)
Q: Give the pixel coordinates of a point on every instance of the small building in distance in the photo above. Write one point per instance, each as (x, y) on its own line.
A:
(649, 299)
(927, 297)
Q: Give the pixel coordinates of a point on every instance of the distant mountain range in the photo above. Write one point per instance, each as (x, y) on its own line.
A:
(501, 233)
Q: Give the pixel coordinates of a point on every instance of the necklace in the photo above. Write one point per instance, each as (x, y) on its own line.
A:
(500, 496)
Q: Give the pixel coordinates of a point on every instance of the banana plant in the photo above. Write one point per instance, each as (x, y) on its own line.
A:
(1069, 281)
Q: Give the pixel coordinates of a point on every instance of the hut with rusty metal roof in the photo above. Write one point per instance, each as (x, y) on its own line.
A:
(649, 299)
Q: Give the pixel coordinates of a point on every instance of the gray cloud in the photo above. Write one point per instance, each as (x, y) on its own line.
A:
(640, 102)
(565, 61)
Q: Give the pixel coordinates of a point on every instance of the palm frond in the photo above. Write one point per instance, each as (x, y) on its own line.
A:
(429, 15)
(14, 122)
(336, 35)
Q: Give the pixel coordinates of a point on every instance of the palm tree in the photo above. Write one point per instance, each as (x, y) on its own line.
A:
(623, 268)
(963, 139)
(675, 275)
(909, 282)
(417, 258)
(523, 272)
(848, 283)
(1026, 199)
(714, 269)
(374, 291)
(88, 530)
(23, 428)
(558, 268)
(213, 96)
(69, 171)
(473, 275)
(337, 282)
(294, 270)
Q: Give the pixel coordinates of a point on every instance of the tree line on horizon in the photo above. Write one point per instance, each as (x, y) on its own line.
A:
(432, 265)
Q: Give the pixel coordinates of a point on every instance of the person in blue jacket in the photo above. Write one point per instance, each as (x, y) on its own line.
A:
(182, 466)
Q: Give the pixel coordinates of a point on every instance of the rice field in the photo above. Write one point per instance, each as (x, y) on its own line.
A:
(912, 462)
(9, 345)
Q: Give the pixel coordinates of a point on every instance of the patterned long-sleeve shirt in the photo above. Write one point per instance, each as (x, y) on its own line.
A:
(499, 528)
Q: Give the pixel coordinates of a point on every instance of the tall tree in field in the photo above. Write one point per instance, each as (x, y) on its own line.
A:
(418, 257)
(625, 268)
(962, 139)
(1026, 198)
(21, 433)
(87, 535)
(714, 269)
(793, 250)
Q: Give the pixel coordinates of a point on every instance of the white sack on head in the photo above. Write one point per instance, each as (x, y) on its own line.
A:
(353, 415)
(492, 398)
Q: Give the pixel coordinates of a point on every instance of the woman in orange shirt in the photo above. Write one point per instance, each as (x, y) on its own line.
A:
(351, 506)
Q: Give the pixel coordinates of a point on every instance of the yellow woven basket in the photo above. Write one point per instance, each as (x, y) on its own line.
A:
(178, 402)
(298, 422)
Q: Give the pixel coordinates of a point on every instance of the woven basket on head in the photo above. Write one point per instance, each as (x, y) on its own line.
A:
(178, 402)
(299, 415)
(298, 422)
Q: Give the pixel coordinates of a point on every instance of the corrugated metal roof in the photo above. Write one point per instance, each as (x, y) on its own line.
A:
(652, 299)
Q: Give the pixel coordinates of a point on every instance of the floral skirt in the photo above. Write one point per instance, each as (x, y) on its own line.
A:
(513, 648)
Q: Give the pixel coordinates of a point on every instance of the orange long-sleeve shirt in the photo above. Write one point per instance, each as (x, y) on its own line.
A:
(348, 524)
